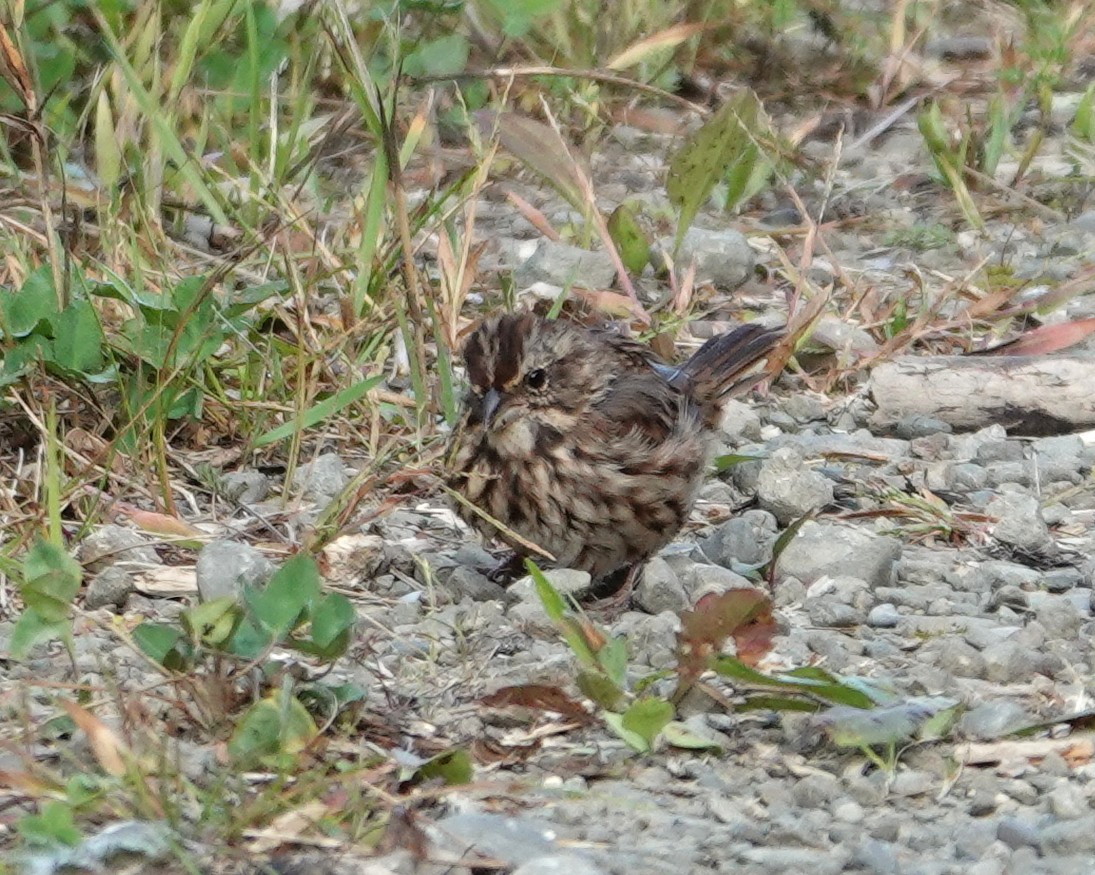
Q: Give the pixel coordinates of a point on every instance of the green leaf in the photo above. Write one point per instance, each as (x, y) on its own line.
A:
(317, 413)
(725, 462)
(517, 16)
(939, 724)
(725, 144)
(108, 156)
(677, 734)
(453, 767)
(277, 727)
(160, 643)
(556, 610)
(615, 722)
(631, 243)
(996, 140)
(32, 629)
(145, 342)
(191, 294)
(34, 303)
(444, 56)
(806, 681)
(212, 622)
(1083, 123)
(53, 825)
(646, 718)
(949, 160)
(332, 620)
(245, 300)
(78, 339)
(784, 539)
(855, 727)
(613, 659)
(600, 689)
(280, 606)
(765, 702)
(248, 639)
(51, 579)
(553, 603)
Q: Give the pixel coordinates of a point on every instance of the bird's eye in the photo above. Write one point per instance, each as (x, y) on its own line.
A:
(536, 379)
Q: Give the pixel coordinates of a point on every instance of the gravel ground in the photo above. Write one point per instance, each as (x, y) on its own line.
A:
(941, 563)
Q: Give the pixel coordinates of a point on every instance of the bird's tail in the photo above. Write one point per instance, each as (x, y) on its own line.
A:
(730, 363)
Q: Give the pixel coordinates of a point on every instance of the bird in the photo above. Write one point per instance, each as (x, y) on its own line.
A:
(583, 444)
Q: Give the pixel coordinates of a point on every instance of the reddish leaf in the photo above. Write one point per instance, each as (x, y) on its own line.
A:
(1044, 340)
(540, 697)
(742, 614)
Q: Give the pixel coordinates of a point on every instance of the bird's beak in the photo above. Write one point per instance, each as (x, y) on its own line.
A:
(490, 404)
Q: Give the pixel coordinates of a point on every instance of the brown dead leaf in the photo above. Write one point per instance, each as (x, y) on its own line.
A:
(533, 216)
(610, 303)
(161, 524)
(109, 750)
(287, 827)
(1045, 340)
(538, 697)
(25, 783)
(656, 42)
(93, 448)
(540, 147)
(652, 119)
(14, 71)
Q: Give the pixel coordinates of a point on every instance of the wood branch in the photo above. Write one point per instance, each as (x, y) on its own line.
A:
(1030, 395)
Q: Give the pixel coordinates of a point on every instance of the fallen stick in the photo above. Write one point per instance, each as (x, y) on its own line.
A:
(1030, 395)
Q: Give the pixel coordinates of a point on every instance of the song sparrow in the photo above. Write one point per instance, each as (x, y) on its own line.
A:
(583, 442)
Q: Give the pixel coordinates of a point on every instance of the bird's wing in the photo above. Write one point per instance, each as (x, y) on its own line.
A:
(639, 404)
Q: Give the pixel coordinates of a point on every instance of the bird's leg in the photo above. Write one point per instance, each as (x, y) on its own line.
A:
(509, 568)
(613, 593)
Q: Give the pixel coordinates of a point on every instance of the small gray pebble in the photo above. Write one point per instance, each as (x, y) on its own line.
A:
(478, 587)
(883, 616)
(1067, 802)
(245, 487)
(109, 588)
(109, 545)
(1062, 579)
(981, 804)
(223, 567)
(789, 490)
(1070, 836)
(567, 581)
(321, 479)
(659, 588)
(815, 791)
(913, 783)
(919, 426)
(878, 858)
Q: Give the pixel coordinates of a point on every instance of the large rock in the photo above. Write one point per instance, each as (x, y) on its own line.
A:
(827, 549)
(112, 545)
(224, 567)
(1019, 523)
(787, 489)
(562, 265)
(723, 258)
